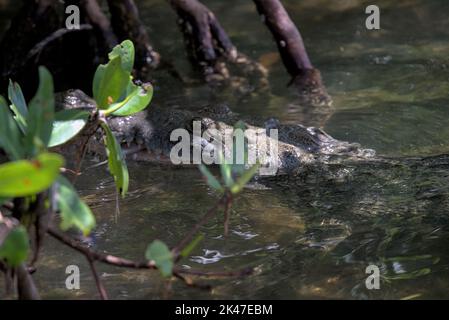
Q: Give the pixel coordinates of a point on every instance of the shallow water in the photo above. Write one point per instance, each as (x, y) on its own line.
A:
(390, 91)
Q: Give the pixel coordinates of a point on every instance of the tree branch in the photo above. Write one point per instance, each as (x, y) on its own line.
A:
(98, 283)
(125, 263)
(25, 284)
(97, 256)
(52, 37)
(43, 217)
(188, 238)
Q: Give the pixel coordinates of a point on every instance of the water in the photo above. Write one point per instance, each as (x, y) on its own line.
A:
(390, 91)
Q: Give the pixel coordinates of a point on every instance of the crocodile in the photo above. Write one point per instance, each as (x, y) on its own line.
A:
(308, 158)
(341, 188)
(146, 136)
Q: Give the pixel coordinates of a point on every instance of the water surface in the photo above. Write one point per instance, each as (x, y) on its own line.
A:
(390, 91)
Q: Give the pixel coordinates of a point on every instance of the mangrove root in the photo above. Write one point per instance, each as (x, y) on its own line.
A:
(209, 46)
(305, 78)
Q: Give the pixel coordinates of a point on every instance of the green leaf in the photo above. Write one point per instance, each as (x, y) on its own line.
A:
(10, 137)
(16, 97)
(19, 106)
(125, 51)
(137, 99)
(225, 169)
(98, 78)
(74, 212)
(192, 245)
(162, 257)
(110, 83)
(15, 247)
(117, 164)
(210, 179)
(67, 124)
(41, 113)
(244, 179)
(24, 178)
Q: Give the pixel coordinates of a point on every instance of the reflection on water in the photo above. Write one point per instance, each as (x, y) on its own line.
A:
(390, 91)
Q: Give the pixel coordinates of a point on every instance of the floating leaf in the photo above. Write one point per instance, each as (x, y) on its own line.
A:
(210, 179)
(162, 257)
(137, 99)
(19, 106)
(125, 51)
(14, 249)
(67, 124)
(10, 137)
(28, 177)
(110, 83)
(41, 113)
(117, 164)
(244, 179)
(74, 212)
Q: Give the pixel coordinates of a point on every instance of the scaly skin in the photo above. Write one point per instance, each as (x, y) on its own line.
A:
(147, 134)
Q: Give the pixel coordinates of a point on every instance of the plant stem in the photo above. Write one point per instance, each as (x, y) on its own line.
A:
(184, 242)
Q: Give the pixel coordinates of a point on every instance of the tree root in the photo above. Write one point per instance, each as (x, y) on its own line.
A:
(101, 24)
(33, 22)
(41, 41)
(208, 44)
(305, 78)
